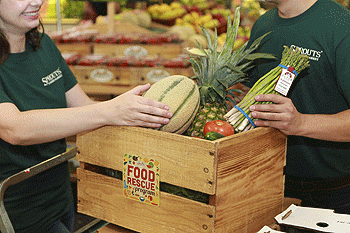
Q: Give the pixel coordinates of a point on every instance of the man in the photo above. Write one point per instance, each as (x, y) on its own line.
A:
(315, 114)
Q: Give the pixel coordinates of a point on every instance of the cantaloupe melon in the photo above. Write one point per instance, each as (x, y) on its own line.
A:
(181, 94)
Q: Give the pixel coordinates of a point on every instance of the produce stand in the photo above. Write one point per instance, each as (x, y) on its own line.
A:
(162, 56)
(242, 174)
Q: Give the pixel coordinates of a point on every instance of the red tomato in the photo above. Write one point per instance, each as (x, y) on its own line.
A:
(219, 126)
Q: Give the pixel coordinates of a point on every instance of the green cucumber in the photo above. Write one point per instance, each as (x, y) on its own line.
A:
(213, 136)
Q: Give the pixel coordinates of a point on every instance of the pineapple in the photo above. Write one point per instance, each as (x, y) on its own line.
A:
(216, 71)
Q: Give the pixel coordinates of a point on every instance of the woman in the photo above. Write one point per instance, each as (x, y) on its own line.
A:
(40, 105)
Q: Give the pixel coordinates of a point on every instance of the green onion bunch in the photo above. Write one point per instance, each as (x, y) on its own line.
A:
(265, 85)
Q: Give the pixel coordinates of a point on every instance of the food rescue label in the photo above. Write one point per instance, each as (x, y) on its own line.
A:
(141, 179)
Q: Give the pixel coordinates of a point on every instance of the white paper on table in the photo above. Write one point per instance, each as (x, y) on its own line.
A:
(267, 229)
(322, 220)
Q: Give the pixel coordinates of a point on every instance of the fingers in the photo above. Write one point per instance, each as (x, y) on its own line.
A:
(136, 110)
(281, 104)
(277, 99)
(146, 120)
(280, 113)
(155, 104)
(146, 101)
(139, 89)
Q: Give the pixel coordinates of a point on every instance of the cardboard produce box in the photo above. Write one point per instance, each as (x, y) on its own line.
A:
(242, 176)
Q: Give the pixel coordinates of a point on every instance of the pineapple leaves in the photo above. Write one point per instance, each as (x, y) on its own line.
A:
(229, 76)
(217, 71)
(255, 56)
(232, 31)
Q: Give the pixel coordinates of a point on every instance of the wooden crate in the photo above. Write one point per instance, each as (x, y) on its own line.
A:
(242, 173)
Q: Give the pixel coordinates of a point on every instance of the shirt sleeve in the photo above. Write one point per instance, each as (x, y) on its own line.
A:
(4, 98)
(343, 69)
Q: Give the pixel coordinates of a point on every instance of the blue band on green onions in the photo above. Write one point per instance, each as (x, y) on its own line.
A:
(287, 68)
(246, 115)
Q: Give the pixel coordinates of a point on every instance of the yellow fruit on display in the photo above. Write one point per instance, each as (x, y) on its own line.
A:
(204, 19)
(184, 32)
(212, 23)
(101, 19)
(128, 17)
(175, 5)
(164, 7)
(165, 11)
(239, 42)
(179, 21)
(188, 18)
(192, 41)
(144, 19)
(222, 38)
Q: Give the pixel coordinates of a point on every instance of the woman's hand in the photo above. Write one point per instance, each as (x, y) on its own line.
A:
(134, 110)
(281, 115)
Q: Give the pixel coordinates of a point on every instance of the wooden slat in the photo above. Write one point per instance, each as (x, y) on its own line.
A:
(250, 180)
(79, 48)
(111, 228)
(184, 161)
(101, 89)
(166, 50)
(102, 197)
(124, 75)
(120, 76)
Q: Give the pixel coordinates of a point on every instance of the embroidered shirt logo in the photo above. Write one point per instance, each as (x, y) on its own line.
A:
(53, 77)
(313, 54)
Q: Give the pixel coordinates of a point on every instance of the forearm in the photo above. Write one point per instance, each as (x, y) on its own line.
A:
(334, 127)
(40, 126)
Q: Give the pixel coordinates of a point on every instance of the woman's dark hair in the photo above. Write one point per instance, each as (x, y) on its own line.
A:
(33, 37)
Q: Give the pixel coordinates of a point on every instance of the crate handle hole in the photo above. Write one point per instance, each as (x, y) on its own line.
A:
(322, 224)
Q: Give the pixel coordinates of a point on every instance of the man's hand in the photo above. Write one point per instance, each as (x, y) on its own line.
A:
(281, 115)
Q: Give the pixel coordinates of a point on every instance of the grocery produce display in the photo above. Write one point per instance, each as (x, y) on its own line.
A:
(93, 36)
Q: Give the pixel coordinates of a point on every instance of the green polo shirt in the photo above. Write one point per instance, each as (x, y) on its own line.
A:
(35, 80)
(323, 33)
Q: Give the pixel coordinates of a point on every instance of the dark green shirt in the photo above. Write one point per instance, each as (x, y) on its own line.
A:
(35, 80)
(322, 32)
